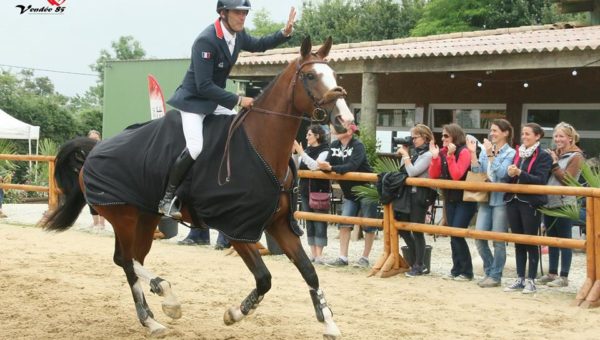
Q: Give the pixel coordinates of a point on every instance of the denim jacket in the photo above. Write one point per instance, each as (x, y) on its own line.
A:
(497, 171)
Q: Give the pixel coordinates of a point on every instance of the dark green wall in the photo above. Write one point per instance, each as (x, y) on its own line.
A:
(126, 90)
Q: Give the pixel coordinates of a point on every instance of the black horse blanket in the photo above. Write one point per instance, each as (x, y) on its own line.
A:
(132, 168)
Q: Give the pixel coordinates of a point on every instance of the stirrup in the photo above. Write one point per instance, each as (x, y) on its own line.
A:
(172, 210)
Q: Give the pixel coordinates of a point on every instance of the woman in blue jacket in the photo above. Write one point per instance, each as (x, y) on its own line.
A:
(496, 156)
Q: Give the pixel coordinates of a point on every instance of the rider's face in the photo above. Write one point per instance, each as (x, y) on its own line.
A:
(235, 19)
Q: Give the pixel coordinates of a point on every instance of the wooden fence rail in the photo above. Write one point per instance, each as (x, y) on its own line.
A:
(391, 262)
(51, 189)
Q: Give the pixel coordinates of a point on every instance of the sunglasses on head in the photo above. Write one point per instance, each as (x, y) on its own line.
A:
(445, 135)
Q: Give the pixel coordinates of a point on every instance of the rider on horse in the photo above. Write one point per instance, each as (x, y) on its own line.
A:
(202, 90)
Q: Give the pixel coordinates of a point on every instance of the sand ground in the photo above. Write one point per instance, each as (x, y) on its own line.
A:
(65, 286)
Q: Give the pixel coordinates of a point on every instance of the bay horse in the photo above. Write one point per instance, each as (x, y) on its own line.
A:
(308, 84)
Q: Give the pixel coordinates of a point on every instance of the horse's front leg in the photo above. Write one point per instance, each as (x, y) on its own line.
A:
(290, 244)
(249, 253)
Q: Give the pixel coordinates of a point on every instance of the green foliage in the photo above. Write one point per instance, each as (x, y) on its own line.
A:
(371, 144)
(263, 24)
(591, 175)
(355, 20)
(6, 167)
(380, 165)
(446, 16)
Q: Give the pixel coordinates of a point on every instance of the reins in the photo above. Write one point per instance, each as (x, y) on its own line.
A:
(329, 97)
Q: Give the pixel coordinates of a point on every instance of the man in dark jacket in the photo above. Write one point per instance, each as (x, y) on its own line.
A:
(348, 154)
(202, 91)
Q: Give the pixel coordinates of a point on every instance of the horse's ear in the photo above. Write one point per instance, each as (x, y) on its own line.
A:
(306, 47)
(324, 50)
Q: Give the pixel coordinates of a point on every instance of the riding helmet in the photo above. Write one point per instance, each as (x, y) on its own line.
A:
(233, 4)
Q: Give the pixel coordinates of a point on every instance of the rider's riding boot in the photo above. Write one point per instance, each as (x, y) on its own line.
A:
(167, 205)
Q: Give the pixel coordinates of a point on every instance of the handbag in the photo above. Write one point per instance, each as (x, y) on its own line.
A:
(476, 196)
(426, 195)
(319, 200)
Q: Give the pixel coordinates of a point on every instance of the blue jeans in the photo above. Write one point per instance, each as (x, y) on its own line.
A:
(316, 231)
(559, 227)
(492, 219)
(367, 209)
(458, 215)
(222, 240)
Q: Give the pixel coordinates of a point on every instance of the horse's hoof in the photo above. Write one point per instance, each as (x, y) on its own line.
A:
(158, 333)
(172, 311)
(232, 315)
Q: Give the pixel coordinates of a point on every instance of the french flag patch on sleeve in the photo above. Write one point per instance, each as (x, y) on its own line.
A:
(206, 55)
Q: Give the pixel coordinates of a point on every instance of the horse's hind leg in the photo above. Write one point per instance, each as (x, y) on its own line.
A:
(290, 244)
(249, 253)
(124, 220)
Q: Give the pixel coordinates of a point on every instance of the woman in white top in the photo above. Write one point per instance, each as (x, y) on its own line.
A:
(316, 150)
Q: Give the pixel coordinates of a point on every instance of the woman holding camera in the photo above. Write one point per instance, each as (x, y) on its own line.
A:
(531, 166)
(317, 149)
(566, 162)
(453, 162)
(416, 165)
(496, 156)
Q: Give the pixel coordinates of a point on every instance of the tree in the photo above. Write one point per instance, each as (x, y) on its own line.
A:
(263, 24)
(125, 48)
(352, 20)
(446, 16)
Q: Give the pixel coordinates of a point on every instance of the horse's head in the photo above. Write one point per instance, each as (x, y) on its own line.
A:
(318, 92)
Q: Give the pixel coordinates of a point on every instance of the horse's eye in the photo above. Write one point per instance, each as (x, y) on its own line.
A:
(310, 76)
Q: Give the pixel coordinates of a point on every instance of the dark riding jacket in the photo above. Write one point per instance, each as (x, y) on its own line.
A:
(203, 86)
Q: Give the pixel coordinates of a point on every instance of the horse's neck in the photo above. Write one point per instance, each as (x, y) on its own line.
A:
(273, 134)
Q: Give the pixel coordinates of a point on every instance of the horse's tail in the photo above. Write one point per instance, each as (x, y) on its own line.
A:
(69, 162)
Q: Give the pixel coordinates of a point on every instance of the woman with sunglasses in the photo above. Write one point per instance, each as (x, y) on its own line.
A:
(416, 165)
(496, 156)
(531, 166)
(566, 162)
(453, 162)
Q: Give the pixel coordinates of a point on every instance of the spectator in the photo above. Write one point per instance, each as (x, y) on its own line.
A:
(453, 162)
(316, 231)
(566, 162)
(497, 155)
(196, 236)
(348, 154)
(531, 166)
(222, 242)
(416, 165)
(99, 221)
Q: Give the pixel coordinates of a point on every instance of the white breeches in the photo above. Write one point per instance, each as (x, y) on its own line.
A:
(192, 128)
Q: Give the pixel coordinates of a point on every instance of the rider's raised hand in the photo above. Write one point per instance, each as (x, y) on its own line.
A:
(289, 26)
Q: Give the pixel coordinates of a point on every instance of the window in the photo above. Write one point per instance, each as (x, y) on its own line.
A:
(393, 120)
(585, 118)
(475, 119)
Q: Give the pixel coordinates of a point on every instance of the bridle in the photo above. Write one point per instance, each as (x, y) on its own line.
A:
(329, 97)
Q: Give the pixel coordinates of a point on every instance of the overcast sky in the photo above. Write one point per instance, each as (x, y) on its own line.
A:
(72, 41)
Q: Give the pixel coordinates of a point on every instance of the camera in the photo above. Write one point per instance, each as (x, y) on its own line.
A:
(407, 141)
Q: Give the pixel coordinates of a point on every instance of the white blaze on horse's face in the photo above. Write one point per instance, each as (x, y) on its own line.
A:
(327, 76)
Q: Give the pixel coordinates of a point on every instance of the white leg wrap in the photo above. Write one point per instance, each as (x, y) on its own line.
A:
(142, 272)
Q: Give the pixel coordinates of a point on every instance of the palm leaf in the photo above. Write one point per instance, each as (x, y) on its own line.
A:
(570, 211)
(368, 192)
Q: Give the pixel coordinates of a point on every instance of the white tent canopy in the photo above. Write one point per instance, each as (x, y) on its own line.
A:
(12, 128)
